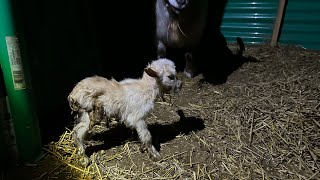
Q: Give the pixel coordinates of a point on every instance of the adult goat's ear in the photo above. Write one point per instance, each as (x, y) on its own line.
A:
(151, 72)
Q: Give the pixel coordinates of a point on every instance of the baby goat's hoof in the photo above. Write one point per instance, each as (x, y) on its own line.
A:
(84, 162)
(142, 148)
(81, 150)
(154, 154)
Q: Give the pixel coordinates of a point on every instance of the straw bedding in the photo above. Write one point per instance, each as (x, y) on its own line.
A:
(263, 123)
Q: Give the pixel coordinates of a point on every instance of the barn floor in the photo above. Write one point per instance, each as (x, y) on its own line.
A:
(263, 123)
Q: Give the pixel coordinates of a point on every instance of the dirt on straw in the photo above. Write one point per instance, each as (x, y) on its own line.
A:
(263, 123)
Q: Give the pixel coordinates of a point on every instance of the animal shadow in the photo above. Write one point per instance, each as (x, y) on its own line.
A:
(165, 133)
(160, 133)
(217, 63)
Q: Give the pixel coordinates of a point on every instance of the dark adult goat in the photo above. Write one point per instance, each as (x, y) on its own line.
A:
(180, 24)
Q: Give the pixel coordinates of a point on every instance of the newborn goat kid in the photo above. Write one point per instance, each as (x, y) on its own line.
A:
(129, 100)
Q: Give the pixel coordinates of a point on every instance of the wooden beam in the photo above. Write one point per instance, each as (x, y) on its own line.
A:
(277, 24)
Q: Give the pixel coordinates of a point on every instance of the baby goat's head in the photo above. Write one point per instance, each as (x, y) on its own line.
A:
(164, 71)
(177, 5)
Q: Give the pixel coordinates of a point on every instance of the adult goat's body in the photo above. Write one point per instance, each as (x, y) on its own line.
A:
(180, 24)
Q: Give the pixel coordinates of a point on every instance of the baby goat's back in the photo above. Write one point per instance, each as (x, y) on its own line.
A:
(89, 89)
(134, 99)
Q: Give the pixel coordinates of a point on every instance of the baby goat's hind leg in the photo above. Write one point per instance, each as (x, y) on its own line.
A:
(79, 133)
(146, 139)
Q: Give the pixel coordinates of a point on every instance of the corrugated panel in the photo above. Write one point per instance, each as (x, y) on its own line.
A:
(301, 24)
(250, 20)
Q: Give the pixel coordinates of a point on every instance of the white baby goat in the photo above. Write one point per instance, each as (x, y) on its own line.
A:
(130, 101)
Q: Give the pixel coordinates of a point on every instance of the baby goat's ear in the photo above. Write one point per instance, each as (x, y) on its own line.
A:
(151, 72)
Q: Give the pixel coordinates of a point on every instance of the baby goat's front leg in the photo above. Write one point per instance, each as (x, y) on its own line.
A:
(146, 139)
(79, 133)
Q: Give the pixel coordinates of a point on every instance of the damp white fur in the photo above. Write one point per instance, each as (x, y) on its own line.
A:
(97, 99)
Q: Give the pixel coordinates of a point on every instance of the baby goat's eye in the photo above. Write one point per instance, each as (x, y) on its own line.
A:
(171, 77)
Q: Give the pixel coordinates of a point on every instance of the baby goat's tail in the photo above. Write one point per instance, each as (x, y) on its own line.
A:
(82, 97)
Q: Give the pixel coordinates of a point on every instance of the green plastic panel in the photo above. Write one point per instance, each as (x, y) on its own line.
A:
(20, 96)
(251, 20)
(301, 24)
